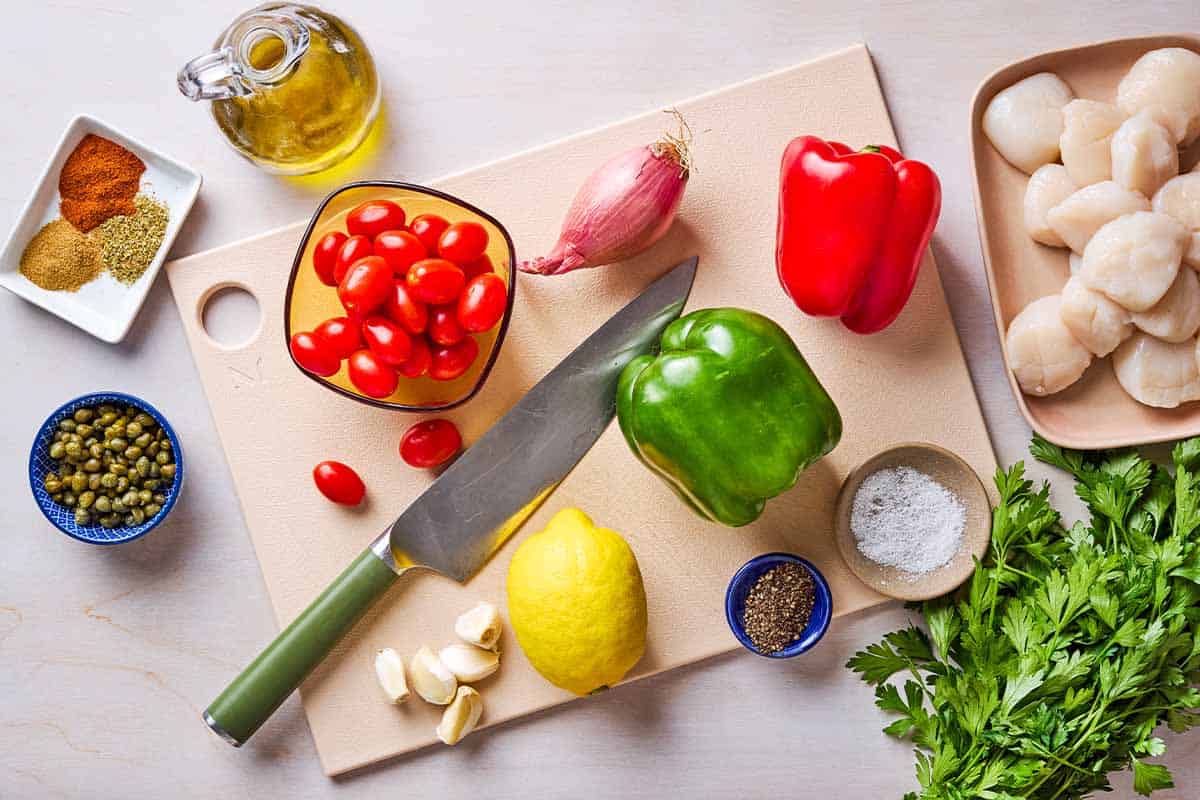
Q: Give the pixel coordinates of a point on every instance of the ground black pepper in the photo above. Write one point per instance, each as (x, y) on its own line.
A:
(778, 607)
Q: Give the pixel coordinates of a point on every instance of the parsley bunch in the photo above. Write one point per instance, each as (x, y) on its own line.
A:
(1067, 649)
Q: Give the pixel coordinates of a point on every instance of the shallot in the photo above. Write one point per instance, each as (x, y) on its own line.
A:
(623, 208)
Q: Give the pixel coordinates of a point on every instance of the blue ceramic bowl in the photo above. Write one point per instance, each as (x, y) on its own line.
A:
(64, 518)
(743, 581)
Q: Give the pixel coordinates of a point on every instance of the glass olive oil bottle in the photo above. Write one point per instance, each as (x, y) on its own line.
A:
(293, 88)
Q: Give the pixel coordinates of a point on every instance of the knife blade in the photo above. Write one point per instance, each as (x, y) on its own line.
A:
(473, 507)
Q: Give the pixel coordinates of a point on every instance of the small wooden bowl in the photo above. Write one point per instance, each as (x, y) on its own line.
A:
(950, 471)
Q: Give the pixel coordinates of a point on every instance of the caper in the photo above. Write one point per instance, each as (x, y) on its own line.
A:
(58, 436)
(85, 431)
(151, 510)
(133, 453)
(57, 451)
(151, 483)
(91, 465)
(82, 517)
(133, 428)
(144, 419)
(117, 468)
(51, 483)
(94, 482)
(137, 516)
(143, 441)
(106, 419)
(67, 425)
(163, 457)
(166, 443)
(67, 469)
(130, 499)
(57, 497)
(110, 521)
(160, 498)
(142, 465)
(122, 485)
(96, 451)
(103, 504)
(108, 480)
(117, 506)
(78, 482)
(117, 444)
(152, 449)
(68, 499)
(72, 448)
(87, 499)
(145, 496)
(167, 471)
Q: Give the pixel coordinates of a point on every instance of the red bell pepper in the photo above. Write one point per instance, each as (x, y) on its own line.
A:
(852, 230)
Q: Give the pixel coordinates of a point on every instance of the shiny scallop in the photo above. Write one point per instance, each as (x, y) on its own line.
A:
(1024, 121)
(1048, 186)
(1165, 83)
(1180, 198)
(1157, 373)
(1044, 355)
(1134, 259)
(1098, 323)
(1088, 128)
(1143, 154)
(1176, 317)
(1078, 217)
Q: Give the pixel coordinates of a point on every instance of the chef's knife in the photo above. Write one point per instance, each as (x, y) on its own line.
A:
(472, 508)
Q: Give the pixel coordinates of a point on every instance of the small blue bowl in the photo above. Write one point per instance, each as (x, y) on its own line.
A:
(743, 581)
(62, 517)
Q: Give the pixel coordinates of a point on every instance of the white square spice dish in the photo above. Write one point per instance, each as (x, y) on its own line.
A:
(103, 307)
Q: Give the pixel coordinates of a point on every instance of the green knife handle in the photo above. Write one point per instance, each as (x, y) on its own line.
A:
(263, 686)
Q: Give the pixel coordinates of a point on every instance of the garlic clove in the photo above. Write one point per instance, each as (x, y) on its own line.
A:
(389, 669)
(480, 626)
(461, 716)
(431, 679)
(469, 663)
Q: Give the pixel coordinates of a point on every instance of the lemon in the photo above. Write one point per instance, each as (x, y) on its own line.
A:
(577, 604)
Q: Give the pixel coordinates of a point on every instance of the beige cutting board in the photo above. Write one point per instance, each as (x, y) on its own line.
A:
(908, 383)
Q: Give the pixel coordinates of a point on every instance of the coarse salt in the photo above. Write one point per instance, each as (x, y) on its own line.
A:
(905, 519)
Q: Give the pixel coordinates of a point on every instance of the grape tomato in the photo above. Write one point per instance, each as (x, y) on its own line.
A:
(339, 483)
(341, 335)
(387, 340)
(374, 217)
(479, 266)
(451, 361)
(352, 249)
(435, 281)
(370, 375)
(482, 302)
(365, 286)
(444, 327)
(314, 355)
(400, 249)
(406, 310)
(325, 256)
(463, 242)
(428, 228)
(430, 443)
(419, 359)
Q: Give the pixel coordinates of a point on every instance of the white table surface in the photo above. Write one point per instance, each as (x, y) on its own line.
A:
(109, 655)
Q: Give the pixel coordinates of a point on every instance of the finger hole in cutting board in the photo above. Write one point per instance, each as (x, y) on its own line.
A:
(230, 316)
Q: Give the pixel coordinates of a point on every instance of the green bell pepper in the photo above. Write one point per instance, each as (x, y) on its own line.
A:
(728, 414)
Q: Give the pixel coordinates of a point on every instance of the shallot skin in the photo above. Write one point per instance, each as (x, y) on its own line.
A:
(625, 206)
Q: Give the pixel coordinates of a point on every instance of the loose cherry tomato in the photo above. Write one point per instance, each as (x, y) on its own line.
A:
(406, 310)
(418, 360)
(479, 266)
(430, 443)
(451, 361)
(481, 305)
(365, 286)
(325, 256)
(428, 228)
(339, 483)
(444, 327)
(340, 335)
(370, 375)
(400, 249)
(435, 281)
(463, 242)
(314, 355)
(387, 340)
(353, 249)
(374, 217)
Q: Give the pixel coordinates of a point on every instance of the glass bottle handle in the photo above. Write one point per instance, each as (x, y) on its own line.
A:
(212, 76)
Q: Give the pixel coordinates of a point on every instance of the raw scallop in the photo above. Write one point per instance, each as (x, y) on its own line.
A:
(1044, 355)
(1143, 154)
(1047, 187)
(1025, 121)
(1180, 198)
(1088, 127)
(1157, 373)
(1078, 217)
(1097, 322)
(1176, 317)
(1134, 259)
(1165, 82)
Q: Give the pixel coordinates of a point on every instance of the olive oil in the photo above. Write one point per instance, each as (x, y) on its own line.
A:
(293, 88)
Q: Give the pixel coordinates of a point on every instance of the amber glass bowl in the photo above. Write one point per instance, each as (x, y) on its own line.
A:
(310, 302)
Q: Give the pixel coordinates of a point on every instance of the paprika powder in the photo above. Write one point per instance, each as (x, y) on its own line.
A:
(98, 181)
(852, 230)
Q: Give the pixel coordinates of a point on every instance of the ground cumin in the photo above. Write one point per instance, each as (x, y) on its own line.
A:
(60, 258)
(99, 180)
